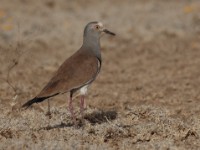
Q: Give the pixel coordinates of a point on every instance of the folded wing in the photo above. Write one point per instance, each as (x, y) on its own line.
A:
(75, 72)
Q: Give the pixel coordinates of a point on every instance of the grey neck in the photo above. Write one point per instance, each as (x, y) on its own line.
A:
(92, 43)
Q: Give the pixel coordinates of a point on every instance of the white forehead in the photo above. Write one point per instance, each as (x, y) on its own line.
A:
(100, 24)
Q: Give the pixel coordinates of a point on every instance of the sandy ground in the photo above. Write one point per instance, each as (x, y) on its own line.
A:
(147, 95)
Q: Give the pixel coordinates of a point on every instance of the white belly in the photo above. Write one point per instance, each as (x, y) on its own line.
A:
(83, 90)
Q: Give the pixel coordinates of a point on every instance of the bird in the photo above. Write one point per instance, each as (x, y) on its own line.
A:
(78, 71)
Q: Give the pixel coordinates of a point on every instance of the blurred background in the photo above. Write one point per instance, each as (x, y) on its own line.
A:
(151, 67)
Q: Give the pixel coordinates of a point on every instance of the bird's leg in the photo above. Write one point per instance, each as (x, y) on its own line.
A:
(48, 111)
(71, 109)
(82, 106)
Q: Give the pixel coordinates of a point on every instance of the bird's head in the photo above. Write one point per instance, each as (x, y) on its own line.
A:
(95, 29)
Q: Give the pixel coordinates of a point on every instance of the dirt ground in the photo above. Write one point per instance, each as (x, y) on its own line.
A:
(147, 95)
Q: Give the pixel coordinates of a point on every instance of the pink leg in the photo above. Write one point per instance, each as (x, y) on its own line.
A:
(82, 106)
(71, 109)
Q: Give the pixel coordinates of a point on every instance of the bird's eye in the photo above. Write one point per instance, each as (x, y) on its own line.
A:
(97, 26)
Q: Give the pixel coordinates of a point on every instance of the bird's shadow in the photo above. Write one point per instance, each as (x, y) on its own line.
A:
(61, 125)
(99, 117)
(96, 117)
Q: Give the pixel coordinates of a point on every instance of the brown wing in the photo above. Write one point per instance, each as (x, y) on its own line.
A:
(76, 71)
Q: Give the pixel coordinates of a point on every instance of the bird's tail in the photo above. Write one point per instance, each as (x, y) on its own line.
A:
(34, 100)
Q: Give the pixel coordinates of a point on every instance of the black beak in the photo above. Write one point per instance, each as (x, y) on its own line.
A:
(109, 32)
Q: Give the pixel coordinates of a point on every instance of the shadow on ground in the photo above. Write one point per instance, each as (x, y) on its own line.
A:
(100, 116)
(96, 117)
(61, 125)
